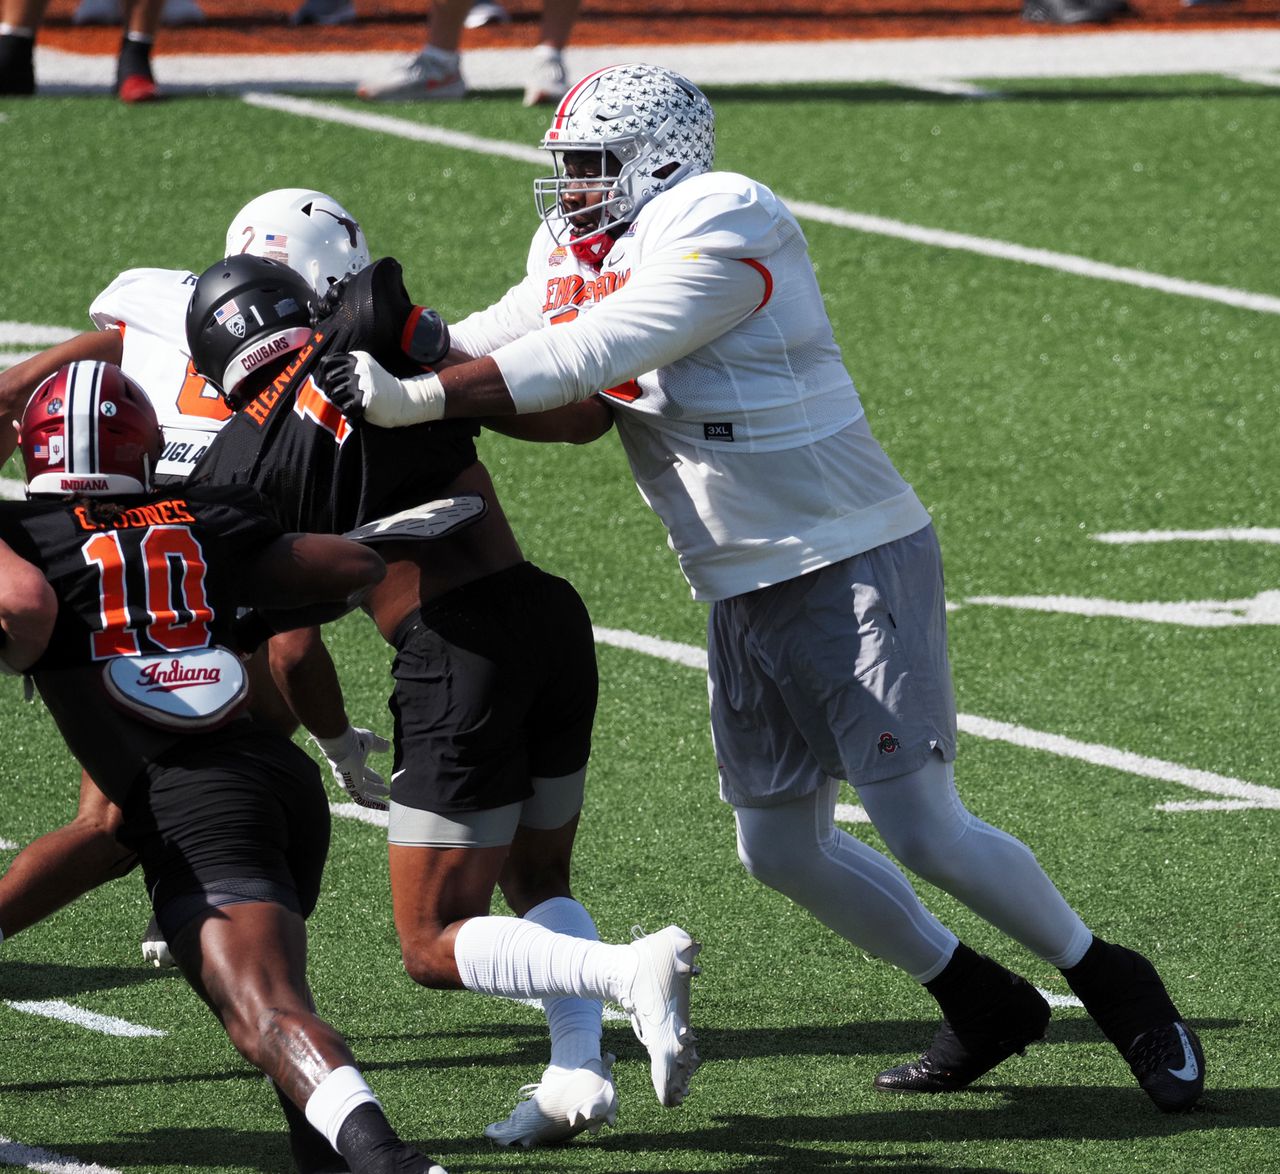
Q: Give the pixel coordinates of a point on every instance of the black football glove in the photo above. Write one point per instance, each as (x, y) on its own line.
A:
(336, 374)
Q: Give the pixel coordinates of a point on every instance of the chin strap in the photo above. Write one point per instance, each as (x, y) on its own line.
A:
(592, 250)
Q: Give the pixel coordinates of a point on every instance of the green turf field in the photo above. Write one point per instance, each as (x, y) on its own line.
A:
(1033, 409)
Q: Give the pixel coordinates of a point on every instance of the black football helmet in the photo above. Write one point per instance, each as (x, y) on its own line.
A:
(245, 313)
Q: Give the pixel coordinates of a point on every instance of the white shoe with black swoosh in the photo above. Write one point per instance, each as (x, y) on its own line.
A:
(1169, 1065)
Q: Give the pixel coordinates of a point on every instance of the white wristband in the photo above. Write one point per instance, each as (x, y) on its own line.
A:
(340, 747)
(392, 403)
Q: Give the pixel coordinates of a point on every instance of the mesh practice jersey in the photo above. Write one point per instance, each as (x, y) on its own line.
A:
(149, 308)
(164, 573)
(320, 472)
(706, 329)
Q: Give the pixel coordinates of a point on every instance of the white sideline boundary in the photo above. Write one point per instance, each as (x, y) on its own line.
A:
(1248, 55)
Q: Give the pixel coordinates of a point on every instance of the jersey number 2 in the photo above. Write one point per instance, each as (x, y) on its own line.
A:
(176, 614)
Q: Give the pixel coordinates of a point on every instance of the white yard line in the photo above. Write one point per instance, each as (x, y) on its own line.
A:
(1229, 534)
(805, 210)
(89, 1020)
(1262, 609)
(14, 1153)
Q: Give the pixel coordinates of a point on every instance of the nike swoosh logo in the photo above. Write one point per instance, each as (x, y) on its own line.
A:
(1190, 1069)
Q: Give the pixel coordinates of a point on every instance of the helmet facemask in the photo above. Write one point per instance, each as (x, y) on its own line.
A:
(649, 128)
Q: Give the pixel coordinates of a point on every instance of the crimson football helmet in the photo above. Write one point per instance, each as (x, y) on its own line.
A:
(650, 126)
(89, 430)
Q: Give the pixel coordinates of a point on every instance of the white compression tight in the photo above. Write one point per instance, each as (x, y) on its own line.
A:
(856, 891)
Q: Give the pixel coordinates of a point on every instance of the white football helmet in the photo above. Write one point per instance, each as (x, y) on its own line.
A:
(308, 231)
(657, 126)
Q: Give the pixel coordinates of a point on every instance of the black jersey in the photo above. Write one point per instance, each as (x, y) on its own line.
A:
(144, 576)
(322, 473)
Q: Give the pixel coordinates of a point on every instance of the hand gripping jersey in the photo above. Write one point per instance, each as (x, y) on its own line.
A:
(149, 576)
(321, 473)
(706, 329)
(148, 307)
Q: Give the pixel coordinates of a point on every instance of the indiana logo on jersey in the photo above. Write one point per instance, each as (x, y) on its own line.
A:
(192, 690)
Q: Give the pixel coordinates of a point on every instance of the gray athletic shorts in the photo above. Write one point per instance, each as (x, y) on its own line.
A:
(840, 673)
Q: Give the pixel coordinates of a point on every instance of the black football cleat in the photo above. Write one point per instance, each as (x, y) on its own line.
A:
(1168, 1063)
(954, 1060)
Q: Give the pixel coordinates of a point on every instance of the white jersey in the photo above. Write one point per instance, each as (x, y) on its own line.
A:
(149, 308)
(707, 328)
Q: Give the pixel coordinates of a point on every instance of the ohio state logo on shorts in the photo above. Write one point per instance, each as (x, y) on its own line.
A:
(887, 743)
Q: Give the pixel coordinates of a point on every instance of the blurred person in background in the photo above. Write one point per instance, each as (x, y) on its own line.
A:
(344, 12)
(20, 20)
(436, 71)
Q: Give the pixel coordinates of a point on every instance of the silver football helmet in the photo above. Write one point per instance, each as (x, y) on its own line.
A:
(657, 126)
(308, 231)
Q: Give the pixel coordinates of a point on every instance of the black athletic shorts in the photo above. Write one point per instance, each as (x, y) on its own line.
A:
(495, 684)
(240, 811)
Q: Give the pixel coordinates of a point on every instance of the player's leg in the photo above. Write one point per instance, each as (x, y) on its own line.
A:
(65, 863)
(247, 960)
(232, 829)
(575, 1092)
(926, 826)
(520, 959)
(19, 23)
(807, 686)
(134, 80)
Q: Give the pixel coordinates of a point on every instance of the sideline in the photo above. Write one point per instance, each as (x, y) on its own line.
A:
(1251, 52)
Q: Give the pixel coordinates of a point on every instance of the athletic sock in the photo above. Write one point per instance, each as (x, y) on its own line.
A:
(1122, 991)
(17, 67)
(573, 1023)
(135, 57)
(371, 1146)
(312, 1153)
(512, 956)
(971, 989)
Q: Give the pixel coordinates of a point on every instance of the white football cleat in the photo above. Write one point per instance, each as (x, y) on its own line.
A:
(568, 1101)
(658, 1004)
(433, 73)
(483, 13)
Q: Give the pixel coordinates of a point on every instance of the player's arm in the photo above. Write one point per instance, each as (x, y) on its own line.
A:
(301, 571)
(579, 423)
(677, 304)
(20, 380)
(28, 610)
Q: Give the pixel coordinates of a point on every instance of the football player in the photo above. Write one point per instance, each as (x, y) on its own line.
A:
(495, 681)
(228, 818)
(690, 295)
(141, 321)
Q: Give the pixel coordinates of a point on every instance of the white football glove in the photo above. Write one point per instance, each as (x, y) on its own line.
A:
(347, 754)
(362, 387)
